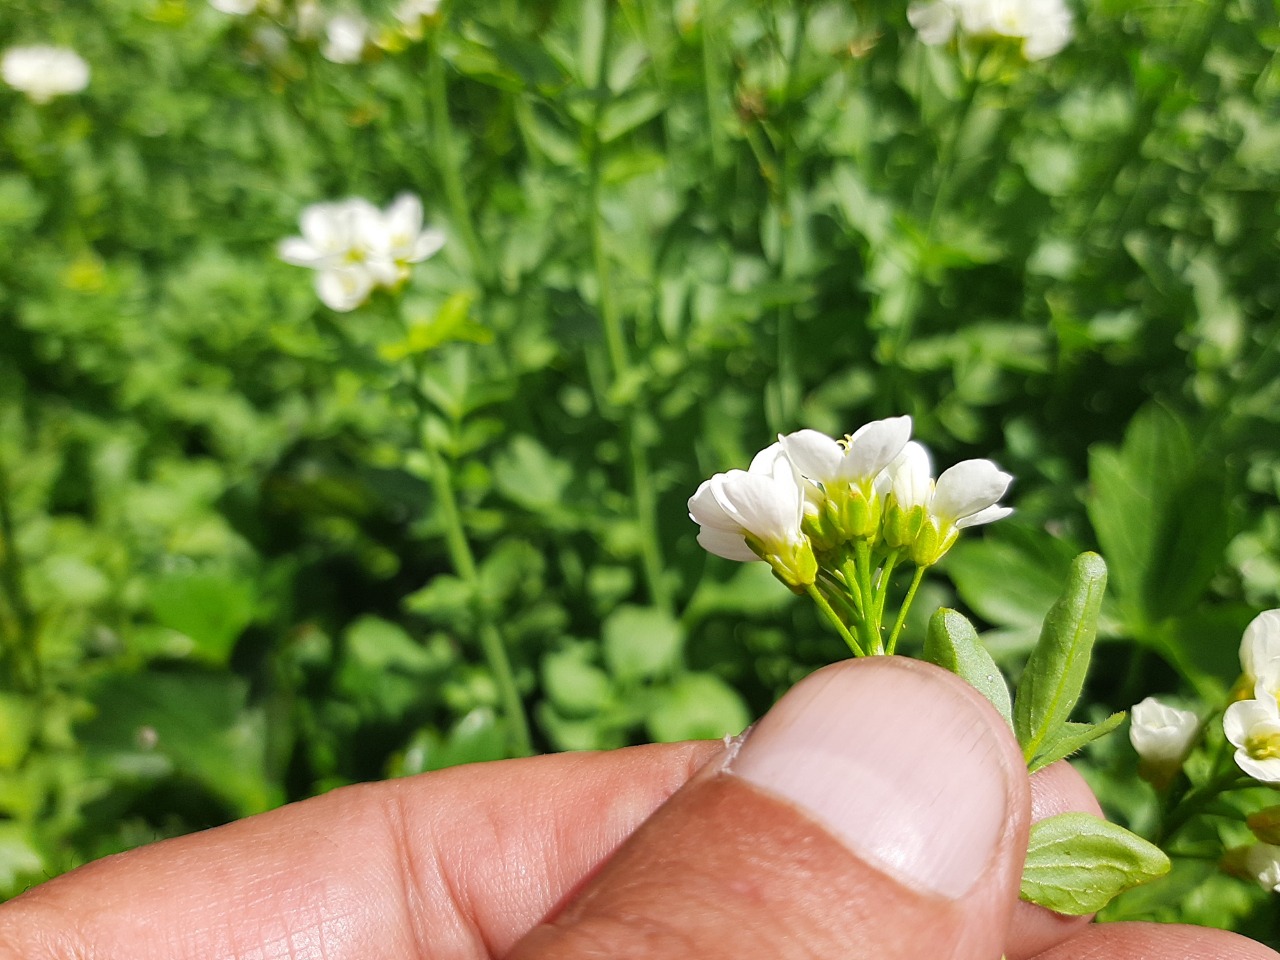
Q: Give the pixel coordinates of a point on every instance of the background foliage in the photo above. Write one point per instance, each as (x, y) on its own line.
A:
(253, 549)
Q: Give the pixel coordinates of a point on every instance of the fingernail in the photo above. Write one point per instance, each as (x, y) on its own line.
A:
(902, 767)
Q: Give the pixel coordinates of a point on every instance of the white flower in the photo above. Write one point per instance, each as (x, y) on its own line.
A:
(1260, 646)
(344, 38)
(236, 8)
(755, 514)
(411, 12)
(335, 242)
(1162, 736)
(1043, 26)
(402, 240)
(843, 498)
(355, 247)
(1253, 727)
(927, 515)
(44, 72)
(1263, 861)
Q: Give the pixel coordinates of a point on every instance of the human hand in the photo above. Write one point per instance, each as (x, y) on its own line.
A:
(879, 810)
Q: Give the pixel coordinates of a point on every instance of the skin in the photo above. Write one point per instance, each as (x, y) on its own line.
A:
(508, 859)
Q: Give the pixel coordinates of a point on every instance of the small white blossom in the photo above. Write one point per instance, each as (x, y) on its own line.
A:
(44, 72)
(1043, 26)
(353, 247)
(1263, 862)
(1162, 736)
(843, 498)
(1260, 647)
(755, 514)
(344, 38)
(927, 515)
(236, 8)
(411, 13)
(402, 239)
(1253, 727)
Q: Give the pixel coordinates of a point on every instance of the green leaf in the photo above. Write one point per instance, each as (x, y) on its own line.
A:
(952, 643)
(212, 607)
(1070, 738)
(1055, 673)
(641, 643)
(1161, 516)
(697, 706)
(1076, 863)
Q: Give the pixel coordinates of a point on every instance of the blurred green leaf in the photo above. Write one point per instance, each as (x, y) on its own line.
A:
(697, 706)
(641, 643)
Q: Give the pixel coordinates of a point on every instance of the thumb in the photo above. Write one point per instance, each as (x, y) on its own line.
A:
(879, 810)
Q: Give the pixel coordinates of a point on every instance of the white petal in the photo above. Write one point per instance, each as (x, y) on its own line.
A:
(1265, 771)
(873, 447)
(706, 511)
(752, 501)
(1261, 642)
(404, 217)
(1243, 716)
(912, 476)
(731, 546)
(814, 454)
(343, 289)
(934, 22)
(967, 488)
(300, 253)
(428, 242)
(989, 515)
(322, 226)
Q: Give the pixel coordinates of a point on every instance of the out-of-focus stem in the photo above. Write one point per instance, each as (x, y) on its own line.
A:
(491, 642)
(642, 488)
(449, 165)
(21, 656)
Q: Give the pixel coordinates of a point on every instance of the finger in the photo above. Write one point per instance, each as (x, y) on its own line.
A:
(879, 810)
(1157, 941)
(1055, 789)
(458, 863)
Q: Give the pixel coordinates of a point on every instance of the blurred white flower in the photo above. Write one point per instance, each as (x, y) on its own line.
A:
(1043, 26)
(344, 38)
(843, 498)
(353, 247)
(927, 516)
(755, 514)
(1162, 736)
(1260, 647)
(236, 8)
(411, 13)
(1253, 727)
(1263, 862)
(401, 240)
(308, 19)
(44, 72)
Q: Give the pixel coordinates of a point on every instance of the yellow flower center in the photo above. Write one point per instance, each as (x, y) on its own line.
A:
(1263, 746)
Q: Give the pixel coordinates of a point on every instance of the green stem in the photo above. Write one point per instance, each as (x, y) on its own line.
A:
(882, 585)
(1199, 798)
(906, 605)
(825, 606)
(449, 166)
(21, 656)
(643, 490)
(854, 585)
(870, 623)
(492, 645)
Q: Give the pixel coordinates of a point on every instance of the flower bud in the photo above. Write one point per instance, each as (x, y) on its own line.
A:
(1162, 736)
(1265, 824)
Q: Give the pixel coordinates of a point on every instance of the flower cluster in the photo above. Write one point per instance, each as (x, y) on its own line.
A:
(44, 72)
(346, 34)
(354, 247)
(1041, 27)
(834, 517)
